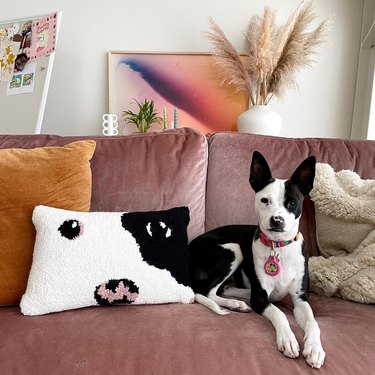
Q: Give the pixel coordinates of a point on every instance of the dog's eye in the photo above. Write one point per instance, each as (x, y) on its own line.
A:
(264, 200)
(292, 203)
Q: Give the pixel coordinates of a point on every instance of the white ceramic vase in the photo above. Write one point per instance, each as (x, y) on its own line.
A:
(259, 119)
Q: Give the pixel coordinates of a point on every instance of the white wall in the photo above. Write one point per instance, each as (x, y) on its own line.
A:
(364, 105)
(78, 96)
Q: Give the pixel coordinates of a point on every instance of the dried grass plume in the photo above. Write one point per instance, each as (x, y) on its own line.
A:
(274, 54)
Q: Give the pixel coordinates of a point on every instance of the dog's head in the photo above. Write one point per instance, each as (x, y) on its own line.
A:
(278, 203)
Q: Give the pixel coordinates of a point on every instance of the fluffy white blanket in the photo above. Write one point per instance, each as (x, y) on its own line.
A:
(345, 220)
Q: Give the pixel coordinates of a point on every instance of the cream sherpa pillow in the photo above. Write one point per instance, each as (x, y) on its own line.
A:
(345, 226)
(98, 258)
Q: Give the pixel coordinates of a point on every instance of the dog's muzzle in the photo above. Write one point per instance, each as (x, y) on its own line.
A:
(277, 223)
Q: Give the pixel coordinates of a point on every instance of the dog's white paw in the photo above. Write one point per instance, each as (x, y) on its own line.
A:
(288, 344)
(223, 312)
(314, 354)
(236, 305)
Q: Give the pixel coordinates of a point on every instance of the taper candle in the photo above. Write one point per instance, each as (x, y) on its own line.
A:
(175, 118)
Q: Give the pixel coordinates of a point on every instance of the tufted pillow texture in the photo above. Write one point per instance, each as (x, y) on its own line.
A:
(85, 259)
(345, 223)
(56, 176)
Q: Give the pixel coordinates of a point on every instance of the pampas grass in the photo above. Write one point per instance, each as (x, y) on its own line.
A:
(232, 69)
(274, 54)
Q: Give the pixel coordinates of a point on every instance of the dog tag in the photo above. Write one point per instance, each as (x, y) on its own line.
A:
(272, 267)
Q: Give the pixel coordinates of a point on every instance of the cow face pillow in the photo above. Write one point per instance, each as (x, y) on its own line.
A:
(99, 258)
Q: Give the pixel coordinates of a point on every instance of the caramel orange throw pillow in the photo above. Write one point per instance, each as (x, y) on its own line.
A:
(52, 176)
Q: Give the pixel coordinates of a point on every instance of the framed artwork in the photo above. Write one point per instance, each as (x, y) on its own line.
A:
(182, 83)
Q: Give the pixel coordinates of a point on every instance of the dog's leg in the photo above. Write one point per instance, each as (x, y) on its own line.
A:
(285, 339)
(231, 304)
(211, 304)
(313, 350)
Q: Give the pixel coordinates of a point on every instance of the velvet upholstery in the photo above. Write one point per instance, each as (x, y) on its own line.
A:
(141, 172)
(190, 339)
(180, 339)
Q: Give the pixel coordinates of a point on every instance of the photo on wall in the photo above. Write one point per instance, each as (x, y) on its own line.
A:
(22, 82)
(184, 83)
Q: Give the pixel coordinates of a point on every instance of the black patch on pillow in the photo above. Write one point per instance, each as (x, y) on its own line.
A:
(70, 229)
(115, 292)
(162, 239)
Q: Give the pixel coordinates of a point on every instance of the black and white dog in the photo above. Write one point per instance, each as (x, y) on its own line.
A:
(270, 259)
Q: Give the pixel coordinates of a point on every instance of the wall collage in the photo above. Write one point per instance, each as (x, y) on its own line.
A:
(21, 44)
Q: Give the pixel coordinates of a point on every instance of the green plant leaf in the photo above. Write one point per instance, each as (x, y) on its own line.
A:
(146, 116)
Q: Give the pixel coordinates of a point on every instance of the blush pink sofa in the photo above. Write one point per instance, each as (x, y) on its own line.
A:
(175, 168)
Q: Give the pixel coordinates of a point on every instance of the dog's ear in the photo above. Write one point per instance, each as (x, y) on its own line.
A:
(304, 175)
(260, 173)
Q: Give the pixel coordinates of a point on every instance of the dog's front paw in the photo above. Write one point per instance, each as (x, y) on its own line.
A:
(314, 354)
(239, 306)
(288, 344)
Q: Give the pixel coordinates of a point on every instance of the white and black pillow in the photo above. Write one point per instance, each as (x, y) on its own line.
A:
(99, 258)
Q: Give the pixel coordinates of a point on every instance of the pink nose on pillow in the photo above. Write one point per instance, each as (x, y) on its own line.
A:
(116, 292)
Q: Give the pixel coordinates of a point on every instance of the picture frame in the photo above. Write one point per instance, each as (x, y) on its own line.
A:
(186, 85)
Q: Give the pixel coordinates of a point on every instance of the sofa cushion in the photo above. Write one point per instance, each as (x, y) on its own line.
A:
(183, 339)
(58, 176)
(99, 258)
(142, 172)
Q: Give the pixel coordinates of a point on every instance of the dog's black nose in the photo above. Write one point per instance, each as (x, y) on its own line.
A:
(277, 222)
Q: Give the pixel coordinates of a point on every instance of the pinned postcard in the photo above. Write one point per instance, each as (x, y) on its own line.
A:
(22, 82)
(8, 54)
(43, 37)
(7, 34)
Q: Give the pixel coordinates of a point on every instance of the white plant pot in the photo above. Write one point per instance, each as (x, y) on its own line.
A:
(259, 119)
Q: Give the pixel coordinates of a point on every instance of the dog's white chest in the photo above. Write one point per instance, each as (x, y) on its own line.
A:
(289, 279)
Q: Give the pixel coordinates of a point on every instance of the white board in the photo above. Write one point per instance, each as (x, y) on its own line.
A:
(23, 113)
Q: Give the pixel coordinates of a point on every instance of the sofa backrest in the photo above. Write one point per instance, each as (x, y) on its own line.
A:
(230, 198)
(141, 172)
(158, 171)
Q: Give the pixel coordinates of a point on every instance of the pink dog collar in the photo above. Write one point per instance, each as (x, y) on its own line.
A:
(272, 267)
(276, 244)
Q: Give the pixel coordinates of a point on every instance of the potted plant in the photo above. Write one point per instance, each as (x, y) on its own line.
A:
(274, 55)
(146, 116)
